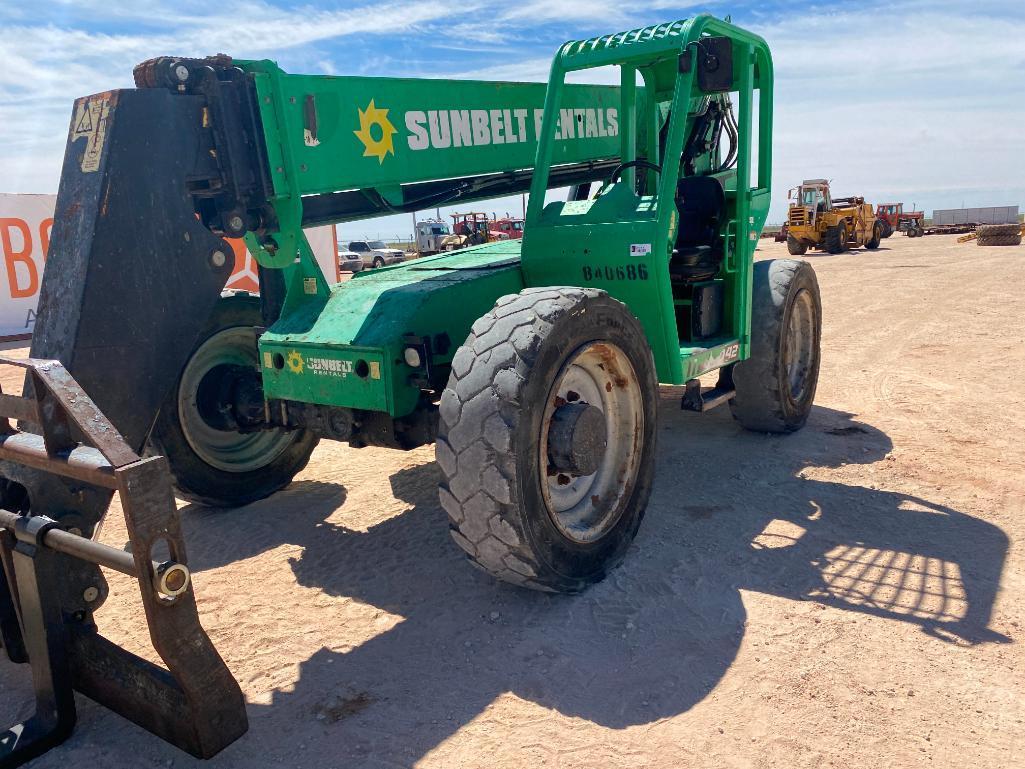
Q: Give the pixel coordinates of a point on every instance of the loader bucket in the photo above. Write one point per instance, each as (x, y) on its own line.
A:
(51, 582)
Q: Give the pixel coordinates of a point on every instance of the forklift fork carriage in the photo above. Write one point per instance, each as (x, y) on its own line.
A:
(47, 599)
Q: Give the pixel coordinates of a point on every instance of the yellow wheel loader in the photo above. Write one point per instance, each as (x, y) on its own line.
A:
(817, 220)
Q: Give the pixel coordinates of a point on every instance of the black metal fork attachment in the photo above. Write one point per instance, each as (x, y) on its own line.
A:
(51, 583)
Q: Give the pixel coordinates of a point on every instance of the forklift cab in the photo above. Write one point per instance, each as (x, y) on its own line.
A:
(672, 229)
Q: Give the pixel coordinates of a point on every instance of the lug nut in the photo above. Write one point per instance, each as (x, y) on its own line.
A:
(181, 72)
(90, 594)
(217, 258)
(236, 224)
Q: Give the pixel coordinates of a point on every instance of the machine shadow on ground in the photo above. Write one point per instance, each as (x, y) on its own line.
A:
(731, 511)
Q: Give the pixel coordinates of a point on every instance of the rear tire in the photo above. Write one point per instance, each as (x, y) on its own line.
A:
(796, 247)
(776, 385)
(210, 465)
(877, 235)
(378, 262)
(887, 229)
(835, 239)
(514, 506)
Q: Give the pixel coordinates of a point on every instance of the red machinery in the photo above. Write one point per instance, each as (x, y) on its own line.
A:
(896, 219)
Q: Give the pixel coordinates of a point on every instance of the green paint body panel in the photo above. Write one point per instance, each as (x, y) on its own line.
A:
(495, 128)
(367, 319)
(620, 241)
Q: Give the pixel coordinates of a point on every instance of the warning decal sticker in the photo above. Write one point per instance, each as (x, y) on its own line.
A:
(90, 123)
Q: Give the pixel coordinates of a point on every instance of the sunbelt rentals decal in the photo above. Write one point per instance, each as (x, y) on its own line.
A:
(441, 129)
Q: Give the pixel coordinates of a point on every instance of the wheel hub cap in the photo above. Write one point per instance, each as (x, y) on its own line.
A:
(591, 440)
(576, 438)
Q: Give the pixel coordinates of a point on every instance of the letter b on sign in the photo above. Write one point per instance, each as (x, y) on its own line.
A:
(16, 242)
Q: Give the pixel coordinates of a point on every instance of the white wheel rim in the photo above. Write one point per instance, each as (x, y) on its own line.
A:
(584, 508)
(226, 450)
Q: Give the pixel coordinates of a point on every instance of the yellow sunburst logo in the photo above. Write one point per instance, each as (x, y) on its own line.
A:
(376, 143)
(295, 362)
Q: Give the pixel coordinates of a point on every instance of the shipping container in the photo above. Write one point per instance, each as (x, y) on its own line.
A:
(990, 215)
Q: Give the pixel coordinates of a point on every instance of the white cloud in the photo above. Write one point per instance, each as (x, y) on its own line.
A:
(47, 66)
(925, 105)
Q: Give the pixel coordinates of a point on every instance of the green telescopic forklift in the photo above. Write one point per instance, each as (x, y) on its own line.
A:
(533, 364)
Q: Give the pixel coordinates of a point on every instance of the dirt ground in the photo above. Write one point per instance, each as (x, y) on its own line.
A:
(852, 595)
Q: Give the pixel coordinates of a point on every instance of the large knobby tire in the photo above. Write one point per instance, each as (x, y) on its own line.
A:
(998, 235)
(998, 229)
(795, 246)
(887, 229)
(211, 465)
(998, 240)
(776, 385)
(877, 235)
(835, 239)
(543, 365)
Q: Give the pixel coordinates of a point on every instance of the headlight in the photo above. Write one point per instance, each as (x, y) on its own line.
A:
(412, 357)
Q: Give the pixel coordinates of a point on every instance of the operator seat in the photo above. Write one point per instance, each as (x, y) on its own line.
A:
(698, 252)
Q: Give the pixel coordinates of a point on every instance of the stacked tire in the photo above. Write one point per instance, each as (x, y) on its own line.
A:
(998, 235)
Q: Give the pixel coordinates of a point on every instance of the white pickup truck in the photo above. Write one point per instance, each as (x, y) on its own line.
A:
(376, 253)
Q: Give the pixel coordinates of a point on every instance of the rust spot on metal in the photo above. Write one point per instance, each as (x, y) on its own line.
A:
(106, 197)
(609, 364)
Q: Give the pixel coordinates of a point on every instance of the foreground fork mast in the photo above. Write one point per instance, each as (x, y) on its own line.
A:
(44, 617)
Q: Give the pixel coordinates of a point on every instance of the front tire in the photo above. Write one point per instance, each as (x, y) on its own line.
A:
(210, 463)
(776, 385)
(378, 262)
(835, 239)
(795, 246)
(547, 437)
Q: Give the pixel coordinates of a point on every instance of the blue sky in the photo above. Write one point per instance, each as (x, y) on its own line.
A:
(914, 100)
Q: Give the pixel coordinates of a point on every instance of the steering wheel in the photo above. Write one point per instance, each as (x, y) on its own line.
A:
(618, 170)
